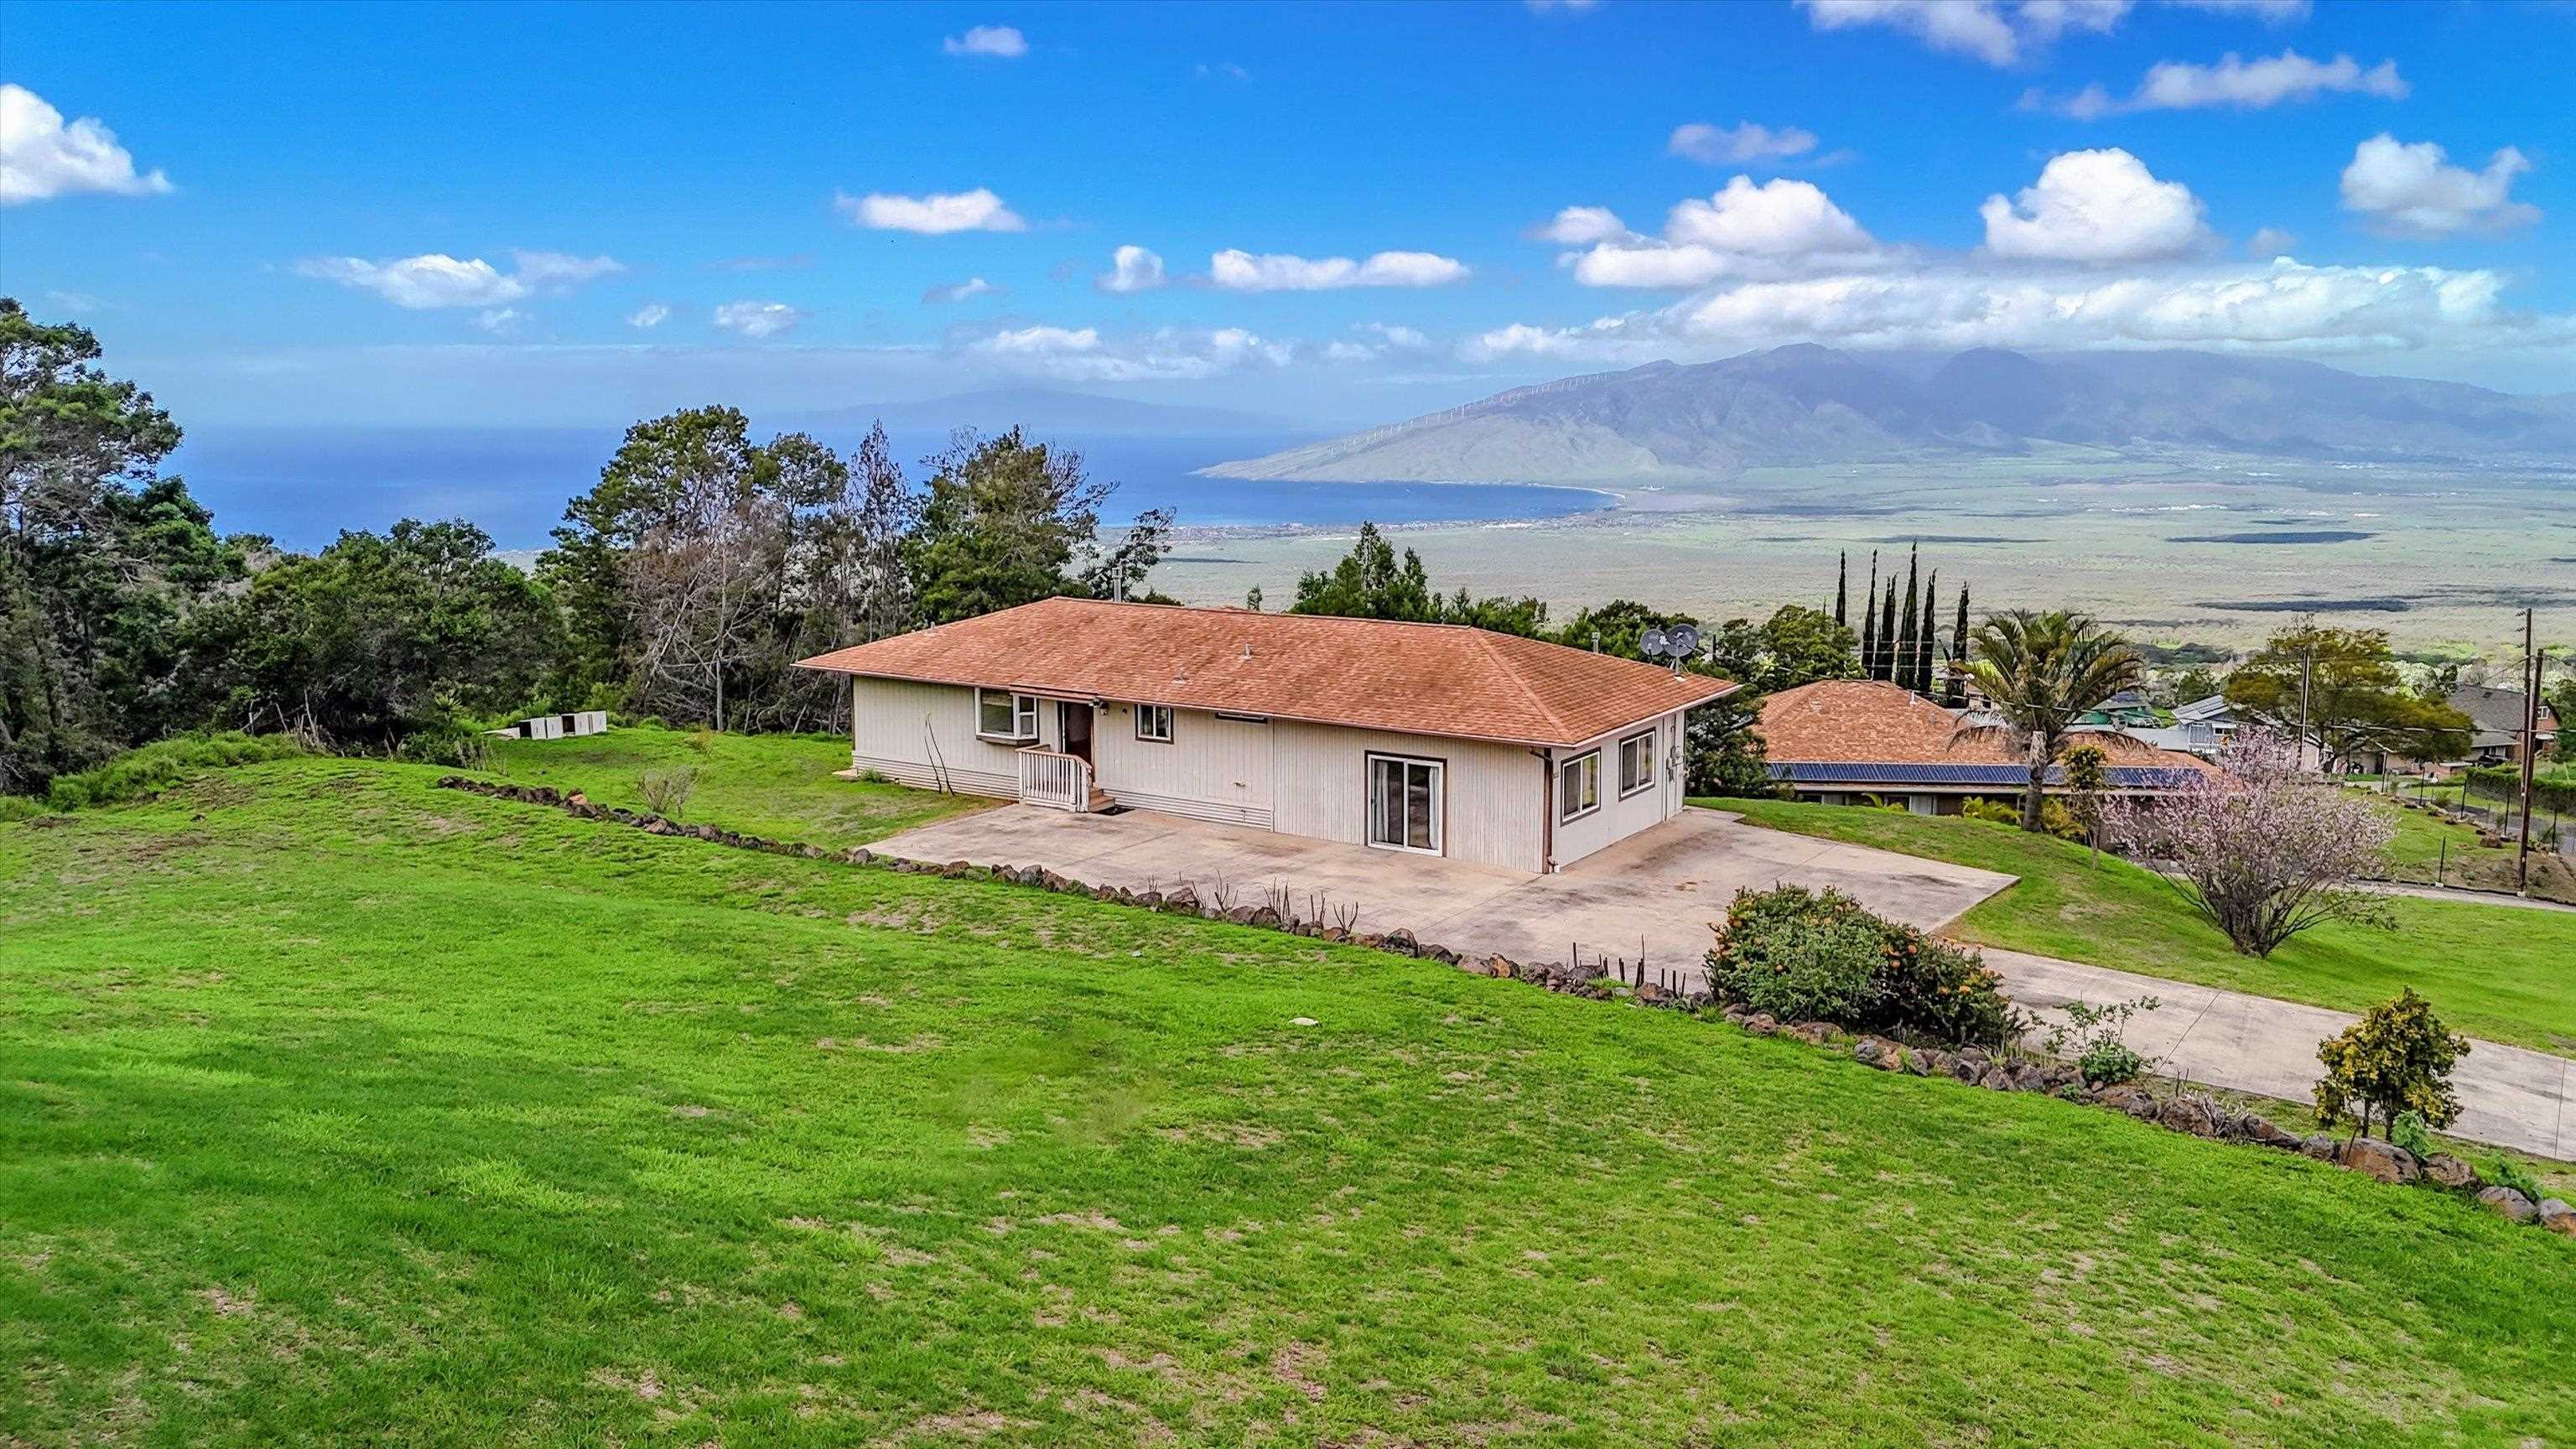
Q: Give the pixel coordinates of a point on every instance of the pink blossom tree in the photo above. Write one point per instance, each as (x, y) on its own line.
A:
(2269, 850)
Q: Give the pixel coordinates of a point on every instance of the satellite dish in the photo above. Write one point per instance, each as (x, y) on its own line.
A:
(1681, 640)
(1651, 643)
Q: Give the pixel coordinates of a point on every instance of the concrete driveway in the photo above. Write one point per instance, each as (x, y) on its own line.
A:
(1649, 897)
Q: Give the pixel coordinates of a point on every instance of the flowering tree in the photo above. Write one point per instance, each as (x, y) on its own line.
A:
(2269, 851)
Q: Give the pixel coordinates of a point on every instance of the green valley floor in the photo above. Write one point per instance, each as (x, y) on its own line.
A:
(336, 1108)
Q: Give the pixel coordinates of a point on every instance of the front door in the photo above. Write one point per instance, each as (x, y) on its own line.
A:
(1074, 721)
(1404, 803)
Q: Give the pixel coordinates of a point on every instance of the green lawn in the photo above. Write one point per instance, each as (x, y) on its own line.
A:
(2492, 971)
(338, 1109)
(781, 786)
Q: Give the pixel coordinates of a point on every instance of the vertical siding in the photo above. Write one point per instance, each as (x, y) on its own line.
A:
(1494, 791)
(1617, 819)
(894, 723)
(1214, 769)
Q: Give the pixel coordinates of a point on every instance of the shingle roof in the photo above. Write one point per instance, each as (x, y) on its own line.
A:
(1429, 679)
(1851, 722)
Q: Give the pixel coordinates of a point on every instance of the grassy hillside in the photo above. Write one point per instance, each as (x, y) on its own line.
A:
(2491, 971)
(335, 1108)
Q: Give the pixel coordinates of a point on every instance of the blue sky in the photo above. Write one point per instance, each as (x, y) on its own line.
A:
(387, 213)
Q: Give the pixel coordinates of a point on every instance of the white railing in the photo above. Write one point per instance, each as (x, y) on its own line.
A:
(1056, 781)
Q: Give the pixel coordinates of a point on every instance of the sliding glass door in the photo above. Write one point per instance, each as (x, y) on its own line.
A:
(1404, 803)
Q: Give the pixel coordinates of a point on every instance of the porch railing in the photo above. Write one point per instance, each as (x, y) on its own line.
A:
(1056, 781)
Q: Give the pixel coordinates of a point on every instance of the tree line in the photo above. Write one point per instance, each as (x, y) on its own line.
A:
(685, 584)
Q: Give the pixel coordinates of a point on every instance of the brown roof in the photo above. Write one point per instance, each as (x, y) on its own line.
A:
(1427, 679)
(1854, 721)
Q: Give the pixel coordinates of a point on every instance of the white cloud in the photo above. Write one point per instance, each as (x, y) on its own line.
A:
(1777, 218)
(2243, 84)
(960, 291)
(1405, 338)
(42, 158)
(648, 316)
(1388, 338)
(1084, 355)
(2270, 242)
(933, 215)
(433, 279)
(992, 42)
(1578, 226)
(2280, 306)
(1131, 269)
(1974, 28)
(2412, 190)
(1222, 70)
(1644, 262)
(2046, 20)
(1241, 271)
(2095, 206)
(757, 319)
(2270, 12)
(500, 321)
(1748, 141)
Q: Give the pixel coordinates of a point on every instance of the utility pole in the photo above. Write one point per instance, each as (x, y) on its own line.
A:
(2307, 669)
(2530, 748)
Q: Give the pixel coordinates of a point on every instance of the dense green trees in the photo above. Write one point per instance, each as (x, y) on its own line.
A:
(2344, 689)
(1369, 582)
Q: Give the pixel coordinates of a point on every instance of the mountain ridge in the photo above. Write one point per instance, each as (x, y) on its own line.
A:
(1668, 422)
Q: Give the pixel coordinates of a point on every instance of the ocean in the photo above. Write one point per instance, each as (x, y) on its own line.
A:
(303, 486)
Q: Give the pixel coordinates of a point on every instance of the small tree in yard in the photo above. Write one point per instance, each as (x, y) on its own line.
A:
(2269, 851)
(2087, 776)
(2397, 1058)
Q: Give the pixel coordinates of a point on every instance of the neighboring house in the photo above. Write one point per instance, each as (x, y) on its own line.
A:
(2496, 721)
(1427, 738)
(2126, 710)
(1842, 741)
(2213, 711)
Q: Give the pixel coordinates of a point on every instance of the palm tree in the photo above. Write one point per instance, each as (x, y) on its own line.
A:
(2039, 672)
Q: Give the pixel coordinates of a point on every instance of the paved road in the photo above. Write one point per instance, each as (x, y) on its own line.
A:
(2509, 1096)
(2472, 898)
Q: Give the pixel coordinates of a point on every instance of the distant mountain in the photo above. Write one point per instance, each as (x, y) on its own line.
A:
(1808, 404)
(1045, 410)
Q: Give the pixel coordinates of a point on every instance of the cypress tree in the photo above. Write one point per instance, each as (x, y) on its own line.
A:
(1959, 654)
(1885, 665)
(1900, 667)
(1842, 583)
(1921, 664)
(1868, 629)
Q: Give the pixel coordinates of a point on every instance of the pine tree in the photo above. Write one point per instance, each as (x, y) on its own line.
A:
(1885, 666)
(1900, 667)
(1842, 584)
(1959, 654)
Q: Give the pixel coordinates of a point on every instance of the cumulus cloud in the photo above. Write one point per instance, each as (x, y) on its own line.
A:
(1578, 226)
(1241, 271)
(2245, 85)
(2095, 206)
(2271, 241)
(648, 316)
(42, 157)
(1747, 141)
(990, 42)
(2413, 190)
(1376, 340)
(1973, 28)
(1084, 355)
(757, 319)
(960, 291)
(1777, 218)
(2280, 306)
(2270, 12)
(934, 215)
(2046, 20)
(501, 321)
(1131, 269)
(435, 279)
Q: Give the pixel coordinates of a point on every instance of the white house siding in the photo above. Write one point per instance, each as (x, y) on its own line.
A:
(1494, 792)
(894, 724)
(1213, 769)
(1617, 819)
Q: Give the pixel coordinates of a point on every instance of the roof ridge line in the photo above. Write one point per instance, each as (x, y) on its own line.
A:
(1511, 670)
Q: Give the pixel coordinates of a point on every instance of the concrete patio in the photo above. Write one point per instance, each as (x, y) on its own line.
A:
(1650, 897)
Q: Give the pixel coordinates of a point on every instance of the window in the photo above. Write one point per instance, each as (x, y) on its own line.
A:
(1404, 804)
(1002, 715)
(1578, 786)
(1636, 763)
(1154, 723)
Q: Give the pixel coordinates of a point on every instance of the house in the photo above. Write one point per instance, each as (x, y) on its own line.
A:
(2495, 724)
(1426, 738)
(2125, 710)
(2213, 711)
(1843, 741)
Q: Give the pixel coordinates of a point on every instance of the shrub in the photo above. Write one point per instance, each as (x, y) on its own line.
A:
(156, 767)
(1800, 954)
(2398, 1057)
(2094, 1032)
(20, 807)
(447, 742)
(2407, 1130)
(1996, 812)
(2505, 1172)
(667, 792)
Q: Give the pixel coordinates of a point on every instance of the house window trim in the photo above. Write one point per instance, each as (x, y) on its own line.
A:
(1171, 722)
(1573, 765)
(1647, 783)
(1024, 707)
(1439, 809)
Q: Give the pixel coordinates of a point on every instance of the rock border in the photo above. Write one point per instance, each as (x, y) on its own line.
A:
(2194, 1112)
